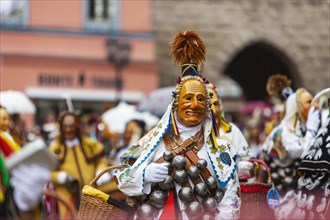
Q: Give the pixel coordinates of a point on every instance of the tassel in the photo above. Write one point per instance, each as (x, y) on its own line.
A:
(214, 125)
(225, 126)
(214, 139)
(169, 126)
(174, 126)
(295, 120)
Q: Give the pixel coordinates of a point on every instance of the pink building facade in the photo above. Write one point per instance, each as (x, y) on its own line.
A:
(51, 49)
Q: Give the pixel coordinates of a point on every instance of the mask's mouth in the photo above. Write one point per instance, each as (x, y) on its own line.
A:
(193, 113)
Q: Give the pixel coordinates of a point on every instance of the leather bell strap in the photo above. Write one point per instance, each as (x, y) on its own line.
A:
(188, 149)
(195, 142)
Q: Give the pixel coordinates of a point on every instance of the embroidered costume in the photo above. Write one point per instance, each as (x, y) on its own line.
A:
(80, 158)
(287, 141)
(202, 173)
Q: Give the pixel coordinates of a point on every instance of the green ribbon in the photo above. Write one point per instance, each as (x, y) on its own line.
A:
(4, 172)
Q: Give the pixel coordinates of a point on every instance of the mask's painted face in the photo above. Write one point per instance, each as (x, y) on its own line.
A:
(4, 120)
(305, 101)
(69, 127)
(191, 103)
(215, 103)
(131, 128)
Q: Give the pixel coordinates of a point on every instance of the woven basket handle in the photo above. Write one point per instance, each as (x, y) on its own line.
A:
(264, 165)
(53, 194)
(105, 170)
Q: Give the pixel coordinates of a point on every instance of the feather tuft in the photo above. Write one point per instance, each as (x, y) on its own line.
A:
(276, 84)
(188, 47)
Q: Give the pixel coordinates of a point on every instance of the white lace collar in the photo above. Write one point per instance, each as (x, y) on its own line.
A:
(72, 142)
(186, 132)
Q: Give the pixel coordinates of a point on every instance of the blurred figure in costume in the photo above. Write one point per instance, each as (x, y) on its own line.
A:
(312, 198)
(17, 129)
(181, 169)
(227, 130)
(81, 159)
(231, 133)
(134, 130)
(284, 145)
(279, 89)
(20, 197)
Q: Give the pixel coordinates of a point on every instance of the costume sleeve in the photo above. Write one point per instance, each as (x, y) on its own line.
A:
(58, 152)
(131, 180)
(101, 162)
(229, 206)
(239, 142)
(294, 144)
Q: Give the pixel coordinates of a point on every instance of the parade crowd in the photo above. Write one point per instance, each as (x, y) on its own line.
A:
(192, 164)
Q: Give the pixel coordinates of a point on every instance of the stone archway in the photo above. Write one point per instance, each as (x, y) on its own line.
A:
(252, 66)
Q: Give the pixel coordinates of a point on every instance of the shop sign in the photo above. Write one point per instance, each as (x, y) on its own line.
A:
(68, 80)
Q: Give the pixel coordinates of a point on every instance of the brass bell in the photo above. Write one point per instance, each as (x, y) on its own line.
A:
(275, 178)
(193, 172)
(288, 182)
(186, 194)
(179, 162)
(158, 198)
(296, 163)
(168, 155)
(200, 189)
(211, 182)
(194, 210)
(201, 164)
(167, 184)
(273, 167)
(145, 211)
(169, 166)
(210, 204)
(218, 194)
(180, 176)
(288, 171)
(281, 172)
(143, 198)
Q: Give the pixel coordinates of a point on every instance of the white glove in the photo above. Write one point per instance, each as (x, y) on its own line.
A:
(62, 177)
(28, 182)
(155, 172)
(245, 169)
(313, 122)
(106, 177)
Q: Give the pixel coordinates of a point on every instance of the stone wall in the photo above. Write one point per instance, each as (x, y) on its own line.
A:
(297, 28)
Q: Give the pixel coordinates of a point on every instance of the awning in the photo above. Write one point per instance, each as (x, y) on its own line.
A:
(83, 94)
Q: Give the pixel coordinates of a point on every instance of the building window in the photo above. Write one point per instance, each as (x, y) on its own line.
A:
(101, 14)
(13, 11)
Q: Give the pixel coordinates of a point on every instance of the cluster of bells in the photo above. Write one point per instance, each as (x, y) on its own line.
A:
(194, 209)
(283, 172)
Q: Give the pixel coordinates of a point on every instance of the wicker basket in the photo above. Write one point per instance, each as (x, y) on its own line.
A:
(254, 198)
(96, 204)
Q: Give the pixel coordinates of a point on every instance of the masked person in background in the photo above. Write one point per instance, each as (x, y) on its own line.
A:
(20, 197)
(284, 145)
(231, 133)
(81, 159)
(279, 88)
(134, 130)
(182, 170)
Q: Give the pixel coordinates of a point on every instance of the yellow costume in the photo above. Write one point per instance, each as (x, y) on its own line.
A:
(81, 161)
